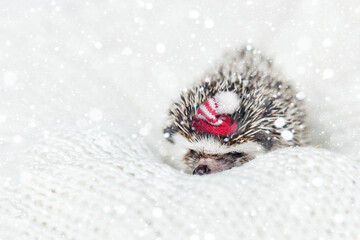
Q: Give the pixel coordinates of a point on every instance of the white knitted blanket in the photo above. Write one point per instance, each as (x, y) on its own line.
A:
(105, 186)
(84, 89)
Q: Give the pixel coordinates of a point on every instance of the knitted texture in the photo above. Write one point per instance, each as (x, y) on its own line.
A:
(95, 64)
(96, 185)
(210, 116)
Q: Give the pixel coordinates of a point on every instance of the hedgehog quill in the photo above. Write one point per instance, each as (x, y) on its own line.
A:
(235, 113)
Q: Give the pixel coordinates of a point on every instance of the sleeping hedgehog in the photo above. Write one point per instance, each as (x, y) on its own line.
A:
(241, 110)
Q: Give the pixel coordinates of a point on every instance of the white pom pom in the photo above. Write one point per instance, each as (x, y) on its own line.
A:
(227, 102)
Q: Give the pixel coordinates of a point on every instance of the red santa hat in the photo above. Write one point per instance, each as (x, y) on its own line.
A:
(211, 116)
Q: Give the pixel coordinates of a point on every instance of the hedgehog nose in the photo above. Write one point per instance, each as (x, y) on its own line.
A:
(201, 170)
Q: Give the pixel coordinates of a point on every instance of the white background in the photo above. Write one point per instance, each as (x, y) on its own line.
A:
(115, 66)
(78, 64)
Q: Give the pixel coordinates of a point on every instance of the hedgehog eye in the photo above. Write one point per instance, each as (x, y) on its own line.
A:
(231, 156)
(192, 152)
(236, 154)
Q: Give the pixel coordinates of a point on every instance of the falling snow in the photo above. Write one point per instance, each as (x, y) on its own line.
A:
(9, 79)
(2, 119)
(17, 139)
(157, 212)
(160, 48)
(98, 45)
(126, 51)
(209, 23)
(280, 122)
(194, 14)
(328, 73)
(194, 237)
(96, 114)
(300, 70)
(317, 182)
(304, 43)
(327, 43)
(300, 95)
(75, 66)
(209, 236)
(287, 135)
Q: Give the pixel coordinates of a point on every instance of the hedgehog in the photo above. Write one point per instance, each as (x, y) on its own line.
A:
(241, 110)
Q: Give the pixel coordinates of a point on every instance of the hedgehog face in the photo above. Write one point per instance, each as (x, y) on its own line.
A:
(205, 154)
(203, 163)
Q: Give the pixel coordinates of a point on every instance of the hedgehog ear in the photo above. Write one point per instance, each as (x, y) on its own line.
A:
(265, 140)
(169, 132)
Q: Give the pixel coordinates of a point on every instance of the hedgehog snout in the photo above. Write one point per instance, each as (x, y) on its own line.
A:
(201, 170)
(211, 165)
